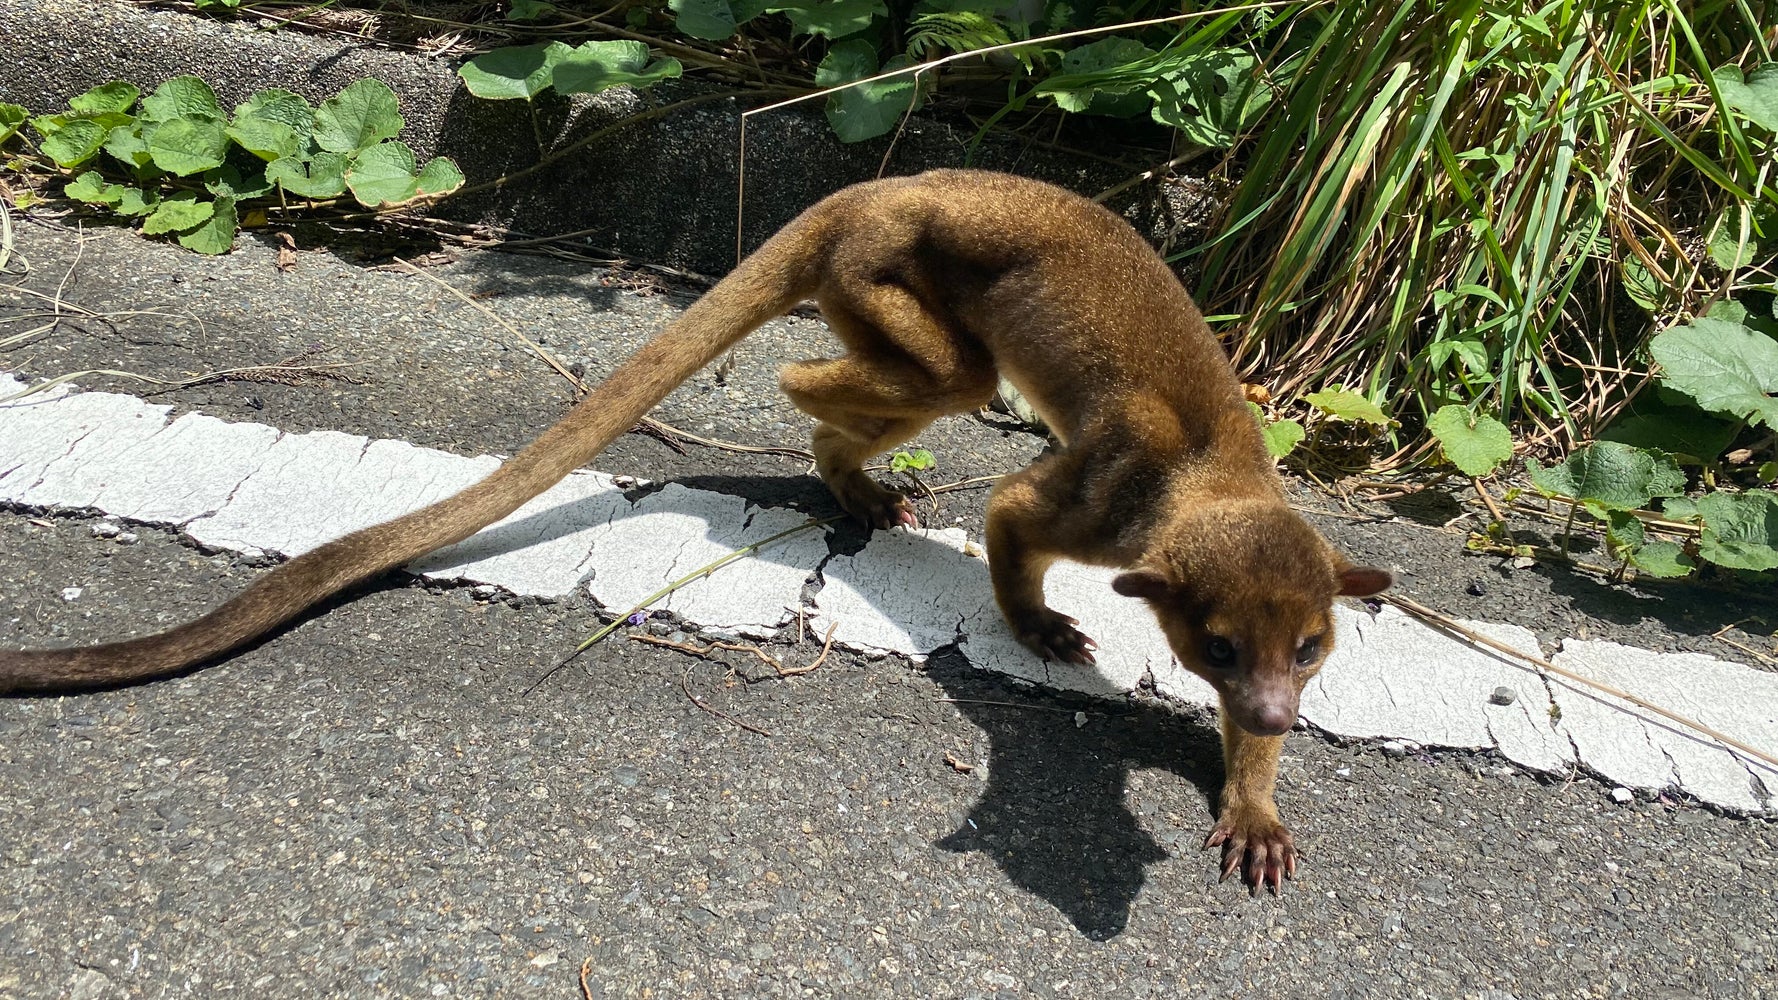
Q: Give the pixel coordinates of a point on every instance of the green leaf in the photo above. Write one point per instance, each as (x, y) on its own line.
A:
(516, 71)
(1210, 95)
(1681, 509)
(1727, 250)
(267, 140)
(177, 213)
(129, 145)
(918, 461)
(115, 97)
(1610, 475)
(1347, 405)
(529, 10)
(324, 176)
(440, 176)
(217, 233)
(273, 124)
(1740, 529)
(182, 97)
(12, 118)
(1282, 437)
(1475, 443)
(137, 202)
(276, 105)
(1472, 353)
(1768, 472)
(1755, 96)
(593, 67)
(74, 143)
(186, 146)
(91, 188)
(869, 109)
(227, 181)
(1623, 530)
(360, 116)
(1724, 366)
(711, 20)
(383, 174)
(1095, 78)
(830, 18)
(1688, 433)
(1663, 560)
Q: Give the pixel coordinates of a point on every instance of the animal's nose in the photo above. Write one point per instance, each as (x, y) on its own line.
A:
(1274, 720)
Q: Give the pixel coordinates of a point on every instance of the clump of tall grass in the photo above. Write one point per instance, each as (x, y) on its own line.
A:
(1446, 202)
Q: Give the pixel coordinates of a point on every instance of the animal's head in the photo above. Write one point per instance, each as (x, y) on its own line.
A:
(1244, 591)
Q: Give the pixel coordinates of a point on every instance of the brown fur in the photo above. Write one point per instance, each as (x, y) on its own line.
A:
(935, 284)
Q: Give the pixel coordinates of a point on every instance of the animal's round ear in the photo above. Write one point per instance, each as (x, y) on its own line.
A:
(1144, 583)
(1364, 581)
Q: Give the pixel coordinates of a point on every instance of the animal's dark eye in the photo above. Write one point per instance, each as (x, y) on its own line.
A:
(1306, 653)
(1219, 651)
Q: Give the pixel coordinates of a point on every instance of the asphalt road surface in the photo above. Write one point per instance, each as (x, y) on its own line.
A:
(377, 802)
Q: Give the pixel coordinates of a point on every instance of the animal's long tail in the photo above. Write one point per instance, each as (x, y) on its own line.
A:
(782, 272)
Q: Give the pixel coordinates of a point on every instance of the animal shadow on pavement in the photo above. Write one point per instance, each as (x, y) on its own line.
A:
(1054, 813)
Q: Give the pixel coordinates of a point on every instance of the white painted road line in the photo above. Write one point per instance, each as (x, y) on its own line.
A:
(249, 488)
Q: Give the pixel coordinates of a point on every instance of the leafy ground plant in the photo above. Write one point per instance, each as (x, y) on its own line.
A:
(185, 168)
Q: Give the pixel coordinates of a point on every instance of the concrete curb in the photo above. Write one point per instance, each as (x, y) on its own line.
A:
(662, 191)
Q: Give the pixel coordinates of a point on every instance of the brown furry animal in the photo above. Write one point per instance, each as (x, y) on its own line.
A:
(936, 284)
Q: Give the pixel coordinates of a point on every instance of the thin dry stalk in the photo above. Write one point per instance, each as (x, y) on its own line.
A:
(1451, 627)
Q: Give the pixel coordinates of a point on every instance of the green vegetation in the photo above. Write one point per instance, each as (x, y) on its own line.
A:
(1443, 223)
(187, 169)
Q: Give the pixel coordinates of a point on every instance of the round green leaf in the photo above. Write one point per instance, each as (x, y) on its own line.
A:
(360, 116)
(227, 181)
(1755, 96)
(12, 118)
(1282, 437)
(267, 140)
(712, 20)
(276, 105)
(323, 176)
(383, 174)
(186, 146)
(1347, 405)
(178, 213)
(596, 66)
(440, 176)
(1725, 366)
(1663, 560)
(1610, 475)
(1740, 529)
(182, 97)
(869, 109)
(74, 143)
(91, 188)
(127, 143)
(830, 18)
(115, 97)
(516, 71)
(216, 235)
(1476, 445)
(137, 202)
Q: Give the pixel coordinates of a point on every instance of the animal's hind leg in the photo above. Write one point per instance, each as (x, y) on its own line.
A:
(864, 409)
(904, 370)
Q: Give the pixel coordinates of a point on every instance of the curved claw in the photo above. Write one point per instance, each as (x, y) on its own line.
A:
(1053, 636)
(873, 505)
(1260, 848)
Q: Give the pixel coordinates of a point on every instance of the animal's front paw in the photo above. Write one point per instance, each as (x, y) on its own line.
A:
(1254, 843)
(872, 504)
(1052, 635)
